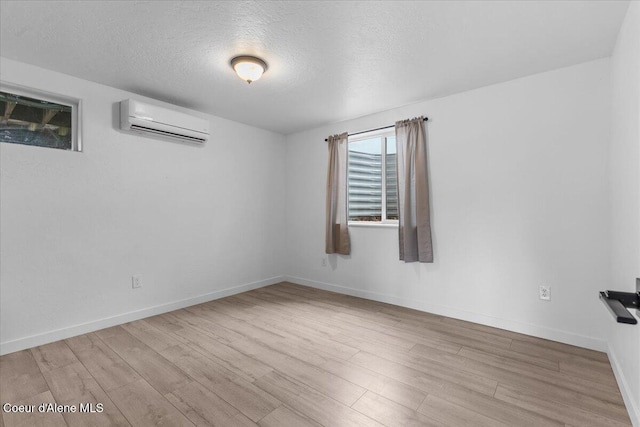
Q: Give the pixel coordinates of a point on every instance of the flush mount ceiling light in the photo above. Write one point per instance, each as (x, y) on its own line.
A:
(248, 68)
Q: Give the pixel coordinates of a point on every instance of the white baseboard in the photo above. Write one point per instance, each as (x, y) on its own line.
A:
(510, 325)
(623, 385)
(72, 331)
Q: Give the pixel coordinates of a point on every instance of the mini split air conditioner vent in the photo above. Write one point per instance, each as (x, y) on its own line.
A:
(167, 134)
(155, 121)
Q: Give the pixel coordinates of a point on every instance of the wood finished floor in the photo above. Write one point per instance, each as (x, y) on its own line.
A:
(288, 355)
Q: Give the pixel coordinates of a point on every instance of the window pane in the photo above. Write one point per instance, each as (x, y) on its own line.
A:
(365, 180)
(33, 121)
(392, 179)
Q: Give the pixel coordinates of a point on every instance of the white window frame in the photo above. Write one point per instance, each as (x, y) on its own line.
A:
(74, 103)
(384, 222)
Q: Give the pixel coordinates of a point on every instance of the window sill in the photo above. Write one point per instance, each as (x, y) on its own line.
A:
(366, 224)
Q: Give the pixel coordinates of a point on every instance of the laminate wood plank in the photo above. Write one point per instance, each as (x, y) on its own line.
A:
(391, 335)
(588, 369)
(425, 376)
(198, 317)
(412, 356)
(291, 345)
(73, 385)
(205, 408)
(382, 316)
(362, 342)
(298, 331)
(510, 371)
(164, 320)
(366, 318)
(323, 381)
(491, 407)
(552, 392)
(320, 408)
(603, 390)
(426, 336)
(381, 336)
(275, 337)
(286, 417)
(20, 377)
(70, 382)
(390, 413)
(400, 313)
(142, 405)
(460, 394)
(334, 330)
(495, 340)
(337, 308)
(243, 395)
(556, 409)
(399, 372)
(52, 356)
(34, 419)
(489, 329)
(303, 317)
(364, 338)
(247, 367)
(158, 371)
(454, 415)
(243, 328)
(197, 366)
(185, 319)
(512, 355)
(175, 332)
(540, 350)
(310, 338)
(390, 388)
(575, 394)
(108, 369)
(238, 309)
(155, 338)
(565, 348)
(349, 302)
(415, 319)
(279, 295)
(220, 353)
(110, 417)
(330, 308)
(557, 351)
(263, 299)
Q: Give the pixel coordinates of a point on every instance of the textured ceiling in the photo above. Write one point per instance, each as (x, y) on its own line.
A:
(328, 61)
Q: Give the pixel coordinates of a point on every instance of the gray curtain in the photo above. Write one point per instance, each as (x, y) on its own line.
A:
(337, 230)
(413, 192)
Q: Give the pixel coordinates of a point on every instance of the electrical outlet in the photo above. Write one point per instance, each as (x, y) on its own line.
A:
(545, 293)
(136, 281)
(323, 262)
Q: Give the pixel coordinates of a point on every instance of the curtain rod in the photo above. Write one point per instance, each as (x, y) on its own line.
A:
(371, 130)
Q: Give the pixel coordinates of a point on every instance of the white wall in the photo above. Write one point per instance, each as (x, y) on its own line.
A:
(195, 221)
(624, 340)
(519, 190)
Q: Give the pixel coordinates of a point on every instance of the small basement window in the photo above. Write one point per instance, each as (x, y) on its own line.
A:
(372, 179)
(33, 118)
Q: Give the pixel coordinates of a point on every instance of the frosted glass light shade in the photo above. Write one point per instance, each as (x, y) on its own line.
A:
(249, 68)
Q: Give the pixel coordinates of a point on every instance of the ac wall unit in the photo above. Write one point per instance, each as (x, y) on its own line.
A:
(150, 120)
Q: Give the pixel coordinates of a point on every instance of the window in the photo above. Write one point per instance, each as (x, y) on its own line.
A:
(33, 118)
(372, 180)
